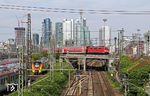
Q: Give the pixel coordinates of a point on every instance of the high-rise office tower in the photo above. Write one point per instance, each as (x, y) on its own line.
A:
(59, 33)
(105, 36)
(84, 21)
(68, 30)
(35, 42)
(147, 43)
(47, 31)
(35, 39)
(20, 36)
(84, 33)
(77, 32)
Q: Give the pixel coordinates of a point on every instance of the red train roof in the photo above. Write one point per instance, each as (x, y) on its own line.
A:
(7, 73)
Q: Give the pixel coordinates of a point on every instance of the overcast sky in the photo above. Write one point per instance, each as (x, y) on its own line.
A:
(130, 23)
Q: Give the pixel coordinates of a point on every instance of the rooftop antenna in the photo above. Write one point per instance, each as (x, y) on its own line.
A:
(18, 21)
(81, 14)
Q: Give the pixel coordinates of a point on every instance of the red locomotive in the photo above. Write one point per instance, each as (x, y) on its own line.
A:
(81, 50)
(97, 50)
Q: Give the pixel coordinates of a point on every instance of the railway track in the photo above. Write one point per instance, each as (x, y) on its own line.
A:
(106, 88)
(90, 83)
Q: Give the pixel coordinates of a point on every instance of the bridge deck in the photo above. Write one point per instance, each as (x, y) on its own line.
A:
(88, 56)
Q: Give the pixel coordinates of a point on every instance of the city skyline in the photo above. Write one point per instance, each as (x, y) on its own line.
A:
(75, 47)
(129, 22)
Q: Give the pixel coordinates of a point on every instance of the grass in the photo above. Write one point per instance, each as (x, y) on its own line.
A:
(44, 86)
(113, 81)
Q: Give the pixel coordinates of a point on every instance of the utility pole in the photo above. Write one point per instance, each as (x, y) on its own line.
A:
(21, 71)
(120, 46)
(84, 41)
(29, 47)
(148, 44)
(51, 55)
(125, 89)
(115, 43)
(121, 40)
(139, 46)
(125, 84)
(139, 51)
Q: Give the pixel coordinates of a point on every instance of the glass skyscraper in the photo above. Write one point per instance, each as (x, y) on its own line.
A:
(47, 31)
(84, 32)
(84, 36)
(35, 39)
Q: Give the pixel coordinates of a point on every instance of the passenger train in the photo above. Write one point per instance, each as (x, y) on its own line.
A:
(7, 78)
(8, 73)
(81, 50)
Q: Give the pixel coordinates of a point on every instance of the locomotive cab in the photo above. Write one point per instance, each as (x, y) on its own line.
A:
(37, 68)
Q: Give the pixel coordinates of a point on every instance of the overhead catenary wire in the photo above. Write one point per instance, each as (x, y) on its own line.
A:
(65, 10)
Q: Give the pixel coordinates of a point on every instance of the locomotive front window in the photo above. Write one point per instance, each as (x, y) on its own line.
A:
(36, 64)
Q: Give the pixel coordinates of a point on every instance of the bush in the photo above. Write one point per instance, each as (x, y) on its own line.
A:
(49, 87)
(137, 77)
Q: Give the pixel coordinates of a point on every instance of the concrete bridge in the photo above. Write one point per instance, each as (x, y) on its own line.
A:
(82, 59)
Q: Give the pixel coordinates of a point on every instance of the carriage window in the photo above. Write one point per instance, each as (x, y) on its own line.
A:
(36, 64)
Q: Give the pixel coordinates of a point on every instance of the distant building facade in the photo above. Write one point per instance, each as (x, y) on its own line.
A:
(81, 33)
(35, 39)
(47, 31)
(59, 33)
(11, 45)
(105, 36)
(76, 32)
(84, 36)
(68, 30)
(20, 36)
(35, 42)
(134, 48)
(147, 43)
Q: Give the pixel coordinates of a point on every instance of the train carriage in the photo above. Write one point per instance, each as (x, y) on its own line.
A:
(83, 50)
(7, 78)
